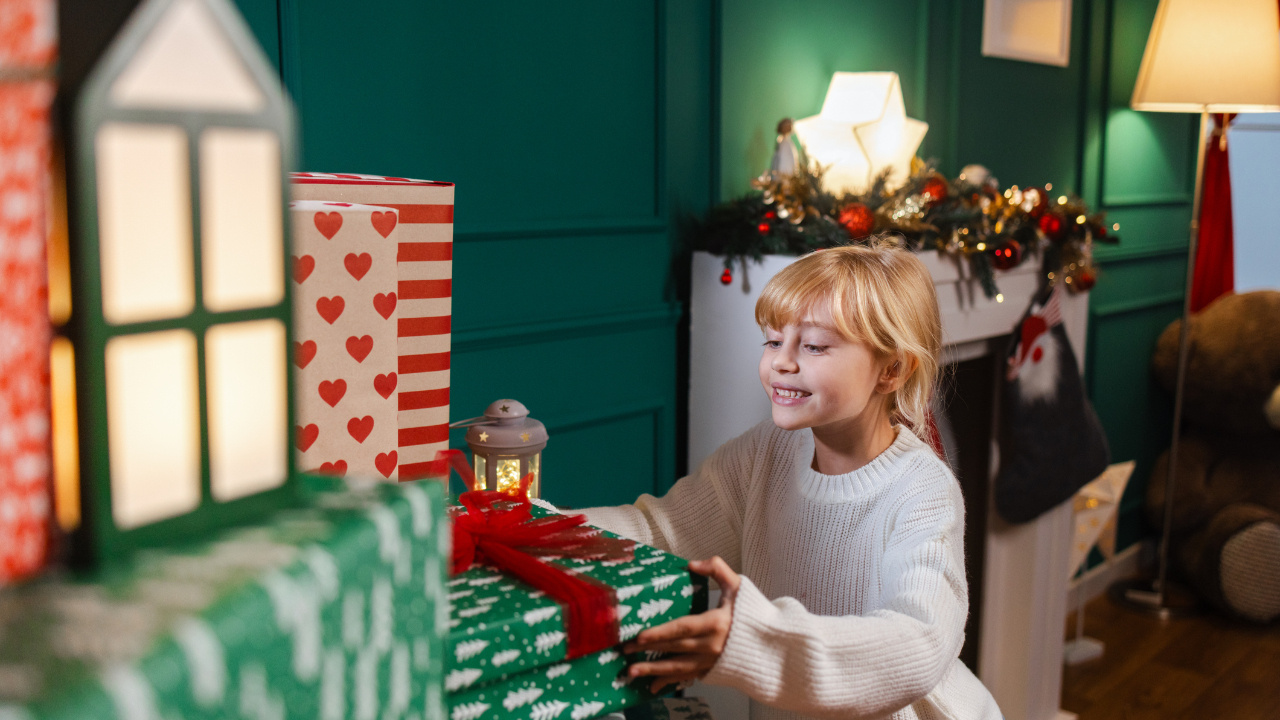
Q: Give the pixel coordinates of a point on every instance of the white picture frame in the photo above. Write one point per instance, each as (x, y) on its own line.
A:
(1037, 31)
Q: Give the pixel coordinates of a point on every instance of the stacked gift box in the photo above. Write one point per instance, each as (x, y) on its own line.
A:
(509, 643)
(331, 610)
(376, 253)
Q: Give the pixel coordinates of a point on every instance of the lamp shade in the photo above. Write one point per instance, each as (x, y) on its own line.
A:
(1214, 56)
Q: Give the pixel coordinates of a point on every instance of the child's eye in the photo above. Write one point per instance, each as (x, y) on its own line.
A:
(773, 344)
(816, 349)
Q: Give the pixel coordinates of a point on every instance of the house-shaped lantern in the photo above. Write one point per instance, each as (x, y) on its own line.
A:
(181, 314)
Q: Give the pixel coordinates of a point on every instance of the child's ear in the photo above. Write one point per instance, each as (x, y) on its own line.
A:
(895, 373)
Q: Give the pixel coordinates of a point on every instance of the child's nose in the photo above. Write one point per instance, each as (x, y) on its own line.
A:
(784, 361)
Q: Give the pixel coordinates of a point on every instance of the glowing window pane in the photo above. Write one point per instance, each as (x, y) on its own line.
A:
(482, 473)
(535, 465)
(240, 207)
(245, 375)
(153, 431)
(66, 443)
(507, 471)
(187, 62)
(144, 222)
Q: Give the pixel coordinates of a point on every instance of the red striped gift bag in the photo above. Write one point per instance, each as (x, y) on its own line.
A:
(422, 293)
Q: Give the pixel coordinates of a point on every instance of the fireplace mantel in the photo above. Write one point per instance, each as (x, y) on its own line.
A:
(1024, 582)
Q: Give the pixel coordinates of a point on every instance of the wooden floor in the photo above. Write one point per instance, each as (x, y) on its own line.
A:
(1197, 668)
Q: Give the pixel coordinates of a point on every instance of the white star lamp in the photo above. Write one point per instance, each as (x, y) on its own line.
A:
(861, 130)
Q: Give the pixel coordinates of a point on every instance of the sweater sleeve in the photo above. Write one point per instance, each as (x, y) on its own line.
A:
(867, 665)
(700, 516)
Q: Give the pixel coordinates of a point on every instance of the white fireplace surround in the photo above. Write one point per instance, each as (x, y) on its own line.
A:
(1026, 575)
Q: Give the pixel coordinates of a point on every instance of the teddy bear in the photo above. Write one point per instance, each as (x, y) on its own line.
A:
(1225, 524)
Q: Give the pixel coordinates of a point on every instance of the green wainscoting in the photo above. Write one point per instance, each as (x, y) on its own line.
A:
(580, 133)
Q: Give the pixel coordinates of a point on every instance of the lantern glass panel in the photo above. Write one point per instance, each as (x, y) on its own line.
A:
(245, 369)
(240, 210)
(66, 446)
(187, 62)
(153, 428)
(535, 467)
(482, 471)
(144, 222)
(507, 471)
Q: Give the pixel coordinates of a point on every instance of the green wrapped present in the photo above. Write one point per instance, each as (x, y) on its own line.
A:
(509, 647)
(328, 611)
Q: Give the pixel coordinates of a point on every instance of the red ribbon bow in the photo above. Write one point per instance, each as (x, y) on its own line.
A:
(498, 529)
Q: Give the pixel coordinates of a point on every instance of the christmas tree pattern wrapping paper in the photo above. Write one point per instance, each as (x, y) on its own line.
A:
(345, 347)
(423, 292)
(508, 642)
(333, 610)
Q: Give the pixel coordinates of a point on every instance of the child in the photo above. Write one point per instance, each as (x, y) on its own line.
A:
(835, 534)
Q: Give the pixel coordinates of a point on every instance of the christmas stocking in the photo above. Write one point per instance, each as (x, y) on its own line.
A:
(1051, 443)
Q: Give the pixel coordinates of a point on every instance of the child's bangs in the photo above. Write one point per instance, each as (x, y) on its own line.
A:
(791, 294)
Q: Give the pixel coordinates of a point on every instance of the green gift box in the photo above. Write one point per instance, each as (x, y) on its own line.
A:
(332, 610)
(507, 643)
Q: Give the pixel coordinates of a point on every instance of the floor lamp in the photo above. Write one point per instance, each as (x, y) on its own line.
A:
(1202, 56)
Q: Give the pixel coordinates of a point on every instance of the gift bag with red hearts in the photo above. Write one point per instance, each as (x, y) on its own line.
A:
(402, 305)
(344, 274)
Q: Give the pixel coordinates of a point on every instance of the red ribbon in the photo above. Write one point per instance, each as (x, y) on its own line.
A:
(498, 529)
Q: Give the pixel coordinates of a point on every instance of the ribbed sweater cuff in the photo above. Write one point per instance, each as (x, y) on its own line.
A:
(747, 651)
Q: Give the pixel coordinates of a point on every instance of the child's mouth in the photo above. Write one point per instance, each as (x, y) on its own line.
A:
(783, 396)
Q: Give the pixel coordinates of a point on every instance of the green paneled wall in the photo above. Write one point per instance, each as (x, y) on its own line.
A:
(572, 131)
(580, 133)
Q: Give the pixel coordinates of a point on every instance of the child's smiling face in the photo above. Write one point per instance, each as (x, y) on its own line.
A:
(816, 378)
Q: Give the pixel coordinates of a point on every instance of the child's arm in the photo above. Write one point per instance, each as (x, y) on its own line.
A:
(700, 516)
(860, 666)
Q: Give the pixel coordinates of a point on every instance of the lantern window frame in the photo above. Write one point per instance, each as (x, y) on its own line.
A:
(100, 539)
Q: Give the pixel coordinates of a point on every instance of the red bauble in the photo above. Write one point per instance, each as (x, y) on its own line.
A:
(1085, 279)
(1007, 255)
(1051, 225)
(857, 219)
(763, 228)
(726, 277)
(935, 190)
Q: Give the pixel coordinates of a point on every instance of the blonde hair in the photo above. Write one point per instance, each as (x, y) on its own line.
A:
(879, 294)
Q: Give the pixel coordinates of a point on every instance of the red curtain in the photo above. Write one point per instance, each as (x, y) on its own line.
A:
(1215, 262)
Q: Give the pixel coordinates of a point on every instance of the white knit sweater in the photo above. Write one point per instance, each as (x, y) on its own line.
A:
(853, 597)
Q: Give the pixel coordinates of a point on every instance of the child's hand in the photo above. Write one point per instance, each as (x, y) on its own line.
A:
(696, 641)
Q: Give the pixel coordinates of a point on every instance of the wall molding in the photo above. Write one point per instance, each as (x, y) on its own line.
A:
(531, 333)
(1124, 254)
(581, 420)
(1149, 200)
(1139, 305)
(521, 231)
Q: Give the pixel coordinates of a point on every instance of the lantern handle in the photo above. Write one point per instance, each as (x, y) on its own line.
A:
(471, 422)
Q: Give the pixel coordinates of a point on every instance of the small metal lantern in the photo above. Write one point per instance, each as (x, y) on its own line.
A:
(506, 444)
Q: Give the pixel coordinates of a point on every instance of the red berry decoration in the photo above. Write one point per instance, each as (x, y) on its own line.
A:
(857, 219)
(935, 190)
(726, 277)
(1085, 279)
(763, 228)
(1007, 255)
(1051, 225)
